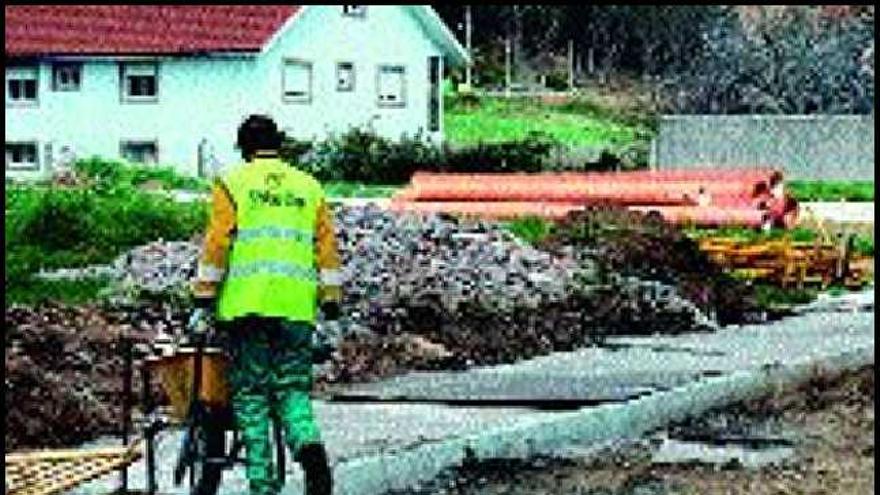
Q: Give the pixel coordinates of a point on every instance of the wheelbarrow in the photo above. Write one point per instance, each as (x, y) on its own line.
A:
(193, 376)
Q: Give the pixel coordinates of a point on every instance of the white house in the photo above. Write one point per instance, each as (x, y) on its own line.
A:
(171, 84)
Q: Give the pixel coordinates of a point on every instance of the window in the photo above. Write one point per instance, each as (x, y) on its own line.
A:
(297, 81)
(140, 82)
(354, 10)
(433, 94)
(22, 156)
(66, 77)
(21, 85)
(345, 76)
(139, 151)
(392, 86)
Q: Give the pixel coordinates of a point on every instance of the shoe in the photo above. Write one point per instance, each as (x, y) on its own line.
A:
(313, 459)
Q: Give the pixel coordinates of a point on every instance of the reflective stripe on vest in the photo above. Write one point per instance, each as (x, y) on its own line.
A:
(245, 235)
(273, 268)
(272, 259)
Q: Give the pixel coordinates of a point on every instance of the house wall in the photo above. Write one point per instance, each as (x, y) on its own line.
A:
(323, 36)
(196, 97)
(204, 100)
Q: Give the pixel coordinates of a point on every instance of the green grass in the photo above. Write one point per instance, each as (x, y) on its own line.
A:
(831, 190)
(771, 297)
(358, 190)
(578, 124)
(797, 234)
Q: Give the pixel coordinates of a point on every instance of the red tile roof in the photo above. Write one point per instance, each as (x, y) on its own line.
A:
(140, 29)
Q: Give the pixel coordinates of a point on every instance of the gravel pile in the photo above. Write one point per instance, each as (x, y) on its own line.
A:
(157, 268)
(421, 292)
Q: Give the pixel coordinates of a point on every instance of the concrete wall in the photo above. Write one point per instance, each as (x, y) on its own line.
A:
(202, 101)
(804, 147)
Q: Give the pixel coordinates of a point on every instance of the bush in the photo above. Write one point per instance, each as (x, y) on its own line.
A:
(557, 81)
(607, 162)
(112, 173)
(461, 101)
(49, 228)
(361, 156)
(293, 150)
(530, 229)
(531, 154)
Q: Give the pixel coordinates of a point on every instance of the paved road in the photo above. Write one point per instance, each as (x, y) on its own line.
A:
(379, 445)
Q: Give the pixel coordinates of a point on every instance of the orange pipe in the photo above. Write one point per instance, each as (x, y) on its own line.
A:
(490, 210)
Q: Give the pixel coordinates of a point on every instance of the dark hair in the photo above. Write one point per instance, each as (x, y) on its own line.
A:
(258, 133)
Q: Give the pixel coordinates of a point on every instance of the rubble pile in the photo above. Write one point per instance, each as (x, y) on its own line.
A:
(421, 292)
(477, 280)
(637, 245)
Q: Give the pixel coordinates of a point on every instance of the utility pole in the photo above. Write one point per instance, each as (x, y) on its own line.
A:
(467, 33)
(507, 66)
(571, 66)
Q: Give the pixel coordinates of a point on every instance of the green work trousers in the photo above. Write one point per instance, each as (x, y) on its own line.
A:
(270, 372)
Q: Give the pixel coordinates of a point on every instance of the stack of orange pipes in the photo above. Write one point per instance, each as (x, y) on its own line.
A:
(748, 197)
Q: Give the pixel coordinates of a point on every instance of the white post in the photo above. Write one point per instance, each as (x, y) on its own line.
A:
(507, 67)
(467, 33)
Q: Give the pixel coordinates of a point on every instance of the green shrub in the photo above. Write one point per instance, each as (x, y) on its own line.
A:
(863, 245)
(531, 154)
(461, 101)
(112, 173)
(530, 229)
(49, 228)
(293, 150)
(361, 156)
(771, 296)
(607, 162)
(557, 81)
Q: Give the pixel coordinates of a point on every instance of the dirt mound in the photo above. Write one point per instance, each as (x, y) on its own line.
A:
(64, 372)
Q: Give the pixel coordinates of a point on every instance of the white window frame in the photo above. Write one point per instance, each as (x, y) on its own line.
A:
(352, 79)
(30, 72)
(139, 142)
(135, 69)
(354, 10)
(23, 166)
(307, 98)
(380, 100)
(70, 67)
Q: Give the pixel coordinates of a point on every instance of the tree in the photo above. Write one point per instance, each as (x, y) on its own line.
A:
(795, 60)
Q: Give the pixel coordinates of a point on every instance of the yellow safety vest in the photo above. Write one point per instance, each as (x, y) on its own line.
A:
(271, 269)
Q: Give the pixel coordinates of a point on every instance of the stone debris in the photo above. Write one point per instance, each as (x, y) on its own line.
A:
(420, 292)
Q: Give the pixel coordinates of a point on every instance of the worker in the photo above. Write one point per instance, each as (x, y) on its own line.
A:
(269, 258)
